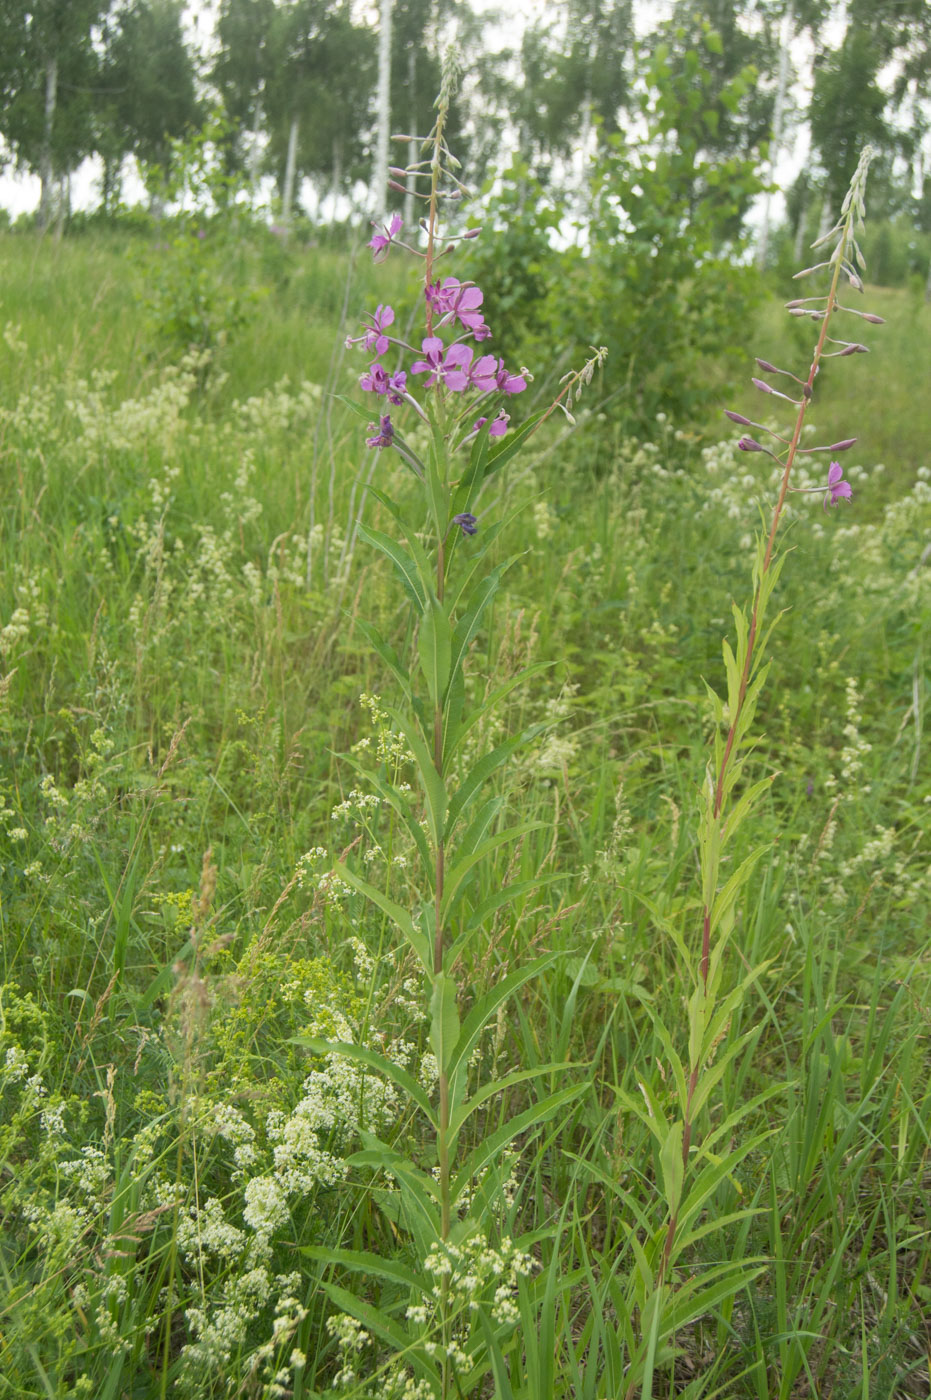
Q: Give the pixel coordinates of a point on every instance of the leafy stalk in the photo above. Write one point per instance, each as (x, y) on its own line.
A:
(720, 816)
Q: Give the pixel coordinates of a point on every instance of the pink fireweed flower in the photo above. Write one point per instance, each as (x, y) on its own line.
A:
(836, 489)
(499, 425)
(458, 301)
(510, 383)
(836, 485)
(381, 242)
(489, 374)
(384, 435)
(373, 337)
(483, 374)
(377, 380)
(450, 368)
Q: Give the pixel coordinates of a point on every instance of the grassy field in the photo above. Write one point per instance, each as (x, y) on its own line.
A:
(193, 728)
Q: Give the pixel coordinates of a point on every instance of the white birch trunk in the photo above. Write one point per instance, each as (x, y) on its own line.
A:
(380, 170)
(287, 194)
(46, 174)
(336, 184)
(779, 108)
(412, 146)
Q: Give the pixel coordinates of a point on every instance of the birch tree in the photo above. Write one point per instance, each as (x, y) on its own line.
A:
(48, 73)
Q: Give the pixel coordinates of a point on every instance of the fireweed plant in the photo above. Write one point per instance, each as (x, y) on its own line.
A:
(691, 1171)
(459, 1304)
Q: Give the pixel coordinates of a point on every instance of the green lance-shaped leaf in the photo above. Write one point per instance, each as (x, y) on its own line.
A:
(483, 770)
(468, 485)
(487, 1006)
(416, 584)
(453, 706)
(420, 1192)
(673, 1060)
(362, 1262)
(469, 561)
(671, 1164)
(444, 1020)
(468, 624)
(515, 441)
(742, 807)
(706, 1182)
(724, 901)
(497, 1086)
(490, 1148)
(387, 653)
(457, 873)
(733, 679)
(363, 412)
(394, 911)
(435, 648)
(699, 1009)
(507, 894)
(702, 1295)
(490, 701)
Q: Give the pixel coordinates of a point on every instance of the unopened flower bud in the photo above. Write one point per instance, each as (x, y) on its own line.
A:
(748, 444)
(738, 418)
(842, 446)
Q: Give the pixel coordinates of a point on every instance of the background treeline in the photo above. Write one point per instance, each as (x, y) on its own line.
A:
(604, 160)
(298, 82)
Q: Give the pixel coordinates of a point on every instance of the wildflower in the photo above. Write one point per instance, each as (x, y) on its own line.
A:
(510, 383)
(377, 380)
(451, 369)
(467, 522)
(459, 301)
(836, 485)
(373, 337)
(384, 435)
(381, 242)
(499, 425)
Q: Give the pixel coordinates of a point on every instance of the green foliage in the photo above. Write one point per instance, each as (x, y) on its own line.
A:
(657, 276)
(193, 302)
(156, 572)
(147, 78)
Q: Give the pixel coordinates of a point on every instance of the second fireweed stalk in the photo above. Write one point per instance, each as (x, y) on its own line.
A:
(690, 1174)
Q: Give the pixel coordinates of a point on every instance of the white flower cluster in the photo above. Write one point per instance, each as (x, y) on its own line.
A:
(356, 806)
(280, 409)
(465, 1272)
(557, 751)
(855, 749)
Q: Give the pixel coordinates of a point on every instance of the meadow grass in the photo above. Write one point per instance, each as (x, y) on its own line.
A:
(182, 669)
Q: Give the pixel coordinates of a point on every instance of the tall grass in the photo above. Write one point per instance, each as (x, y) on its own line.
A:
(172, 1161)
